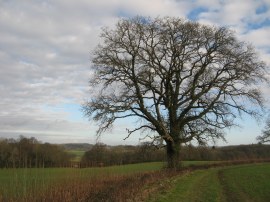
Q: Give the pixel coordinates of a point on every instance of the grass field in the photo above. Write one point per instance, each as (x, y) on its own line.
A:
(22, 183)
(233, 183)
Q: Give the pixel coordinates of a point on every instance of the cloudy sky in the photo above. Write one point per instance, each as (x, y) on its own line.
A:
(45, 48)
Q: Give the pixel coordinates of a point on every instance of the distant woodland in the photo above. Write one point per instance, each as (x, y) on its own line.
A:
(29, 152)
(101, 154)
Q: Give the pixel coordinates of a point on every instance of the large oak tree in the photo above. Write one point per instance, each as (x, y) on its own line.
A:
(184, 80)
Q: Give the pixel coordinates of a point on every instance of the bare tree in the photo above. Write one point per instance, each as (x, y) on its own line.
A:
(265, 137)
(184, 80)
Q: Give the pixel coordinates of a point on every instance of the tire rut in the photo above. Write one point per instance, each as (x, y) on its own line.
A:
(230, 196)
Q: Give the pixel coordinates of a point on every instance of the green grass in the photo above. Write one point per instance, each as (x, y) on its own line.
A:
(247, 183)
(199, 185)
(23, 182)
(233, 183)
(196, 163)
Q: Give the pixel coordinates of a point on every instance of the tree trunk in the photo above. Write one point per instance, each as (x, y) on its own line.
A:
(173, 154)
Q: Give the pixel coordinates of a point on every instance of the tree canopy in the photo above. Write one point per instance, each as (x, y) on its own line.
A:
(184, 80)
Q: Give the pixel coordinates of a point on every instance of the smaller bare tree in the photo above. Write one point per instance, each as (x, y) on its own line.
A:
(265, 137)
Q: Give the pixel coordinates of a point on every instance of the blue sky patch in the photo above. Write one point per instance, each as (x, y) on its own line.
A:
(261, 9)
(194, 14)
(75, 111)
(265, 23)
(123, 14)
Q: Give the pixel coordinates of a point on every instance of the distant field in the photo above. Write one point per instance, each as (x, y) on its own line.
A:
(78, 154)
(233, 183)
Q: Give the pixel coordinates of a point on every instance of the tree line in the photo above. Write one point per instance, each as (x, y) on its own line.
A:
(104, 155)
(29, 152)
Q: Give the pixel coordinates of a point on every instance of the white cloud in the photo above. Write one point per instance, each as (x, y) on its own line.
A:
(259, 37)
